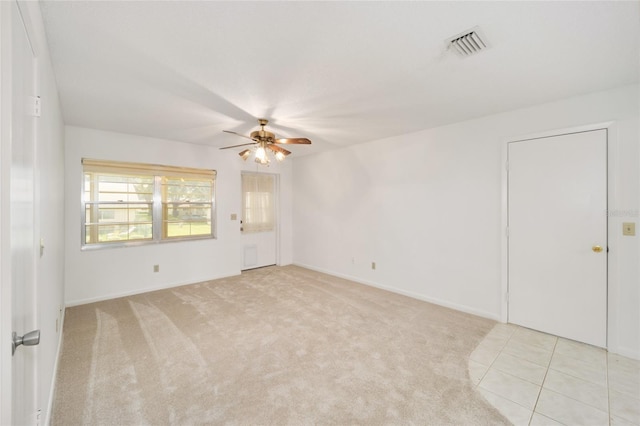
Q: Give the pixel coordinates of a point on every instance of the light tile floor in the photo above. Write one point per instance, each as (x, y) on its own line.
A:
(534, 378)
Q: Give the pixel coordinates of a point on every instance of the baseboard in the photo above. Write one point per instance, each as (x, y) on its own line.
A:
(52, 390)
(424, 298)
(626, 352)
(71, 303)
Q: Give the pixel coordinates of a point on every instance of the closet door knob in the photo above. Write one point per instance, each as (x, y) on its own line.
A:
(32, 338)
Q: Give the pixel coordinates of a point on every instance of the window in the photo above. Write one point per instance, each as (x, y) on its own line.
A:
(186, 206)
(126, 203)
(258, 202)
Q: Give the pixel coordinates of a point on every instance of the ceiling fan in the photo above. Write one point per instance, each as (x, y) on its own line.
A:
(264, 141)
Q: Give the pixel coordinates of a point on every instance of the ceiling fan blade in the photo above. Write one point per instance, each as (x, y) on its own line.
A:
(238, 134)
(235, 146)
(304, 141)
(276, 148)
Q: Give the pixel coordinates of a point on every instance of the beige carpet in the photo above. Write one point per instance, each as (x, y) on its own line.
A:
(279, 345)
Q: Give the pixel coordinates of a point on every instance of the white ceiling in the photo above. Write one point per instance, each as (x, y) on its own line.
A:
(339, 73)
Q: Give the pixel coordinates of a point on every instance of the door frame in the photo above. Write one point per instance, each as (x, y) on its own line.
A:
(612, 237)
(276, 189)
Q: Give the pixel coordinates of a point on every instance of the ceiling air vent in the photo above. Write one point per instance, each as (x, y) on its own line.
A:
(469, 42)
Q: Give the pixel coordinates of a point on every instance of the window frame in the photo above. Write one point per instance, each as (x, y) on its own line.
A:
(158, 220)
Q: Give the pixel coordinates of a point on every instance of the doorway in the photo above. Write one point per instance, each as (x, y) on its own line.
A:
(259, 224)
(557, 235)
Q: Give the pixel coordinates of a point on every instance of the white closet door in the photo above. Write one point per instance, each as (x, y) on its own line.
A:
(557, 227)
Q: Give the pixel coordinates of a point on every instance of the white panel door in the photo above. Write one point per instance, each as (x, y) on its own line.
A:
(24, 405)
(259, 220)
(557, 190)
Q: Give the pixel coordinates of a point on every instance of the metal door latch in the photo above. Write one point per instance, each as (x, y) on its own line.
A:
(30, 339)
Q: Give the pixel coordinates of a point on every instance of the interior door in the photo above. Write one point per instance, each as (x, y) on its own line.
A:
(259, 220)
(557, 190)
(22, 239)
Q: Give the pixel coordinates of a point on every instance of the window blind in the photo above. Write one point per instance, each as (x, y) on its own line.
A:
(116, 167)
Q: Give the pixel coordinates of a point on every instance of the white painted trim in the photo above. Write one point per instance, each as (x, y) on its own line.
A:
(624, 351)
(612, 237)
(613, 240)
(504, 241)
(562, 131)
(435, 301)
(27, 12)
(78, 302)
(54, 379)
(278, 212)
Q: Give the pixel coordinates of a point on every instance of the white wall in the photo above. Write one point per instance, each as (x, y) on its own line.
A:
(49, 206)
(111, 272)
(426, 207)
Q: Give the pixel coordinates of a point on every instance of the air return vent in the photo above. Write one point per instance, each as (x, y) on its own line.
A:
(469, 42)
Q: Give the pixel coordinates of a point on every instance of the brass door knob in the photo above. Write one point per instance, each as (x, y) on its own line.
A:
(596, 249)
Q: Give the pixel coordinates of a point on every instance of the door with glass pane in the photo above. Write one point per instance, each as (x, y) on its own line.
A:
(259, 220)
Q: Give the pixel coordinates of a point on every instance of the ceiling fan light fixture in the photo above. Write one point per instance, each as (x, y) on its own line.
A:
(245, 154)
(261, 155)
(279, 156)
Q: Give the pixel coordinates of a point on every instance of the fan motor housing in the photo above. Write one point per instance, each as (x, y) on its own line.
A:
(263, 135)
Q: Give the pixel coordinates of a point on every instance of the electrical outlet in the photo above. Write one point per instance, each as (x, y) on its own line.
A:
(373, 265)
(629, 229)
(156, 268)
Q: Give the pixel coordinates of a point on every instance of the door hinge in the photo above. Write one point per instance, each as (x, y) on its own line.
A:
(506, 231)
(37, 106)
